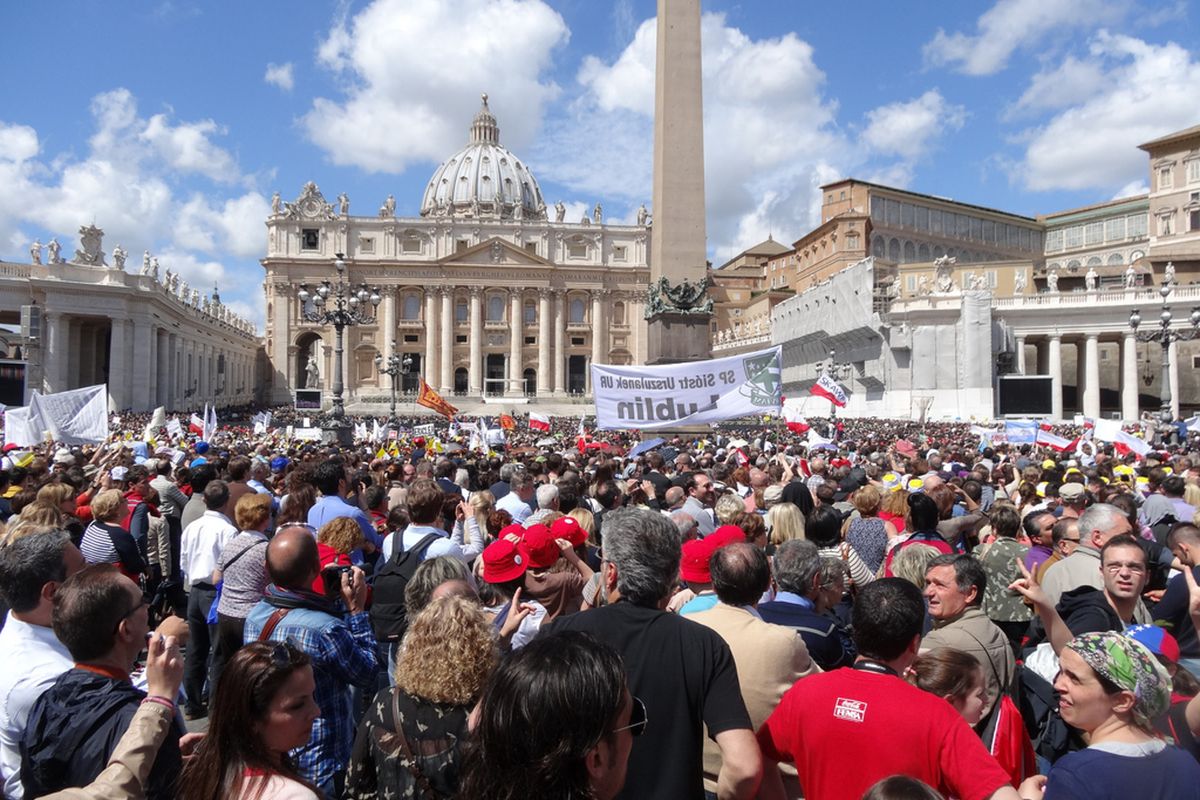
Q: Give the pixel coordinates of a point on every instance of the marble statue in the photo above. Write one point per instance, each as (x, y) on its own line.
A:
(1130, 277)
(312, 373)
(1052, 281)
(388, 209)
(91, 247)
(642, 214)
(343, 204)
(518, 211)
(1169, 273)
(174, 283)
(597, 214)
(35, 251)
(195, 298)
(168, 276)
(154, 269)
(119, 256)
(145, 262)
(1019, 282)
(977, 282)
(1089, 280)
(54, 249)
(560, 211)
(944, 273)
(924, 287)
(276, 205)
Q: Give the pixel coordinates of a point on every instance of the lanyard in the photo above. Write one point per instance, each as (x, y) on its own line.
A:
(866, 665)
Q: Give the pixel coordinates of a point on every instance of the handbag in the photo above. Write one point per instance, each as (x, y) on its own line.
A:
(211, 619)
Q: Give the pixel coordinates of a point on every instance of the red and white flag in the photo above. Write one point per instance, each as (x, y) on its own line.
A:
(795, 421)
(828, 388)
(742, 459)
(196, 425)
(1054, 441)
(581, 439)
(539, 422)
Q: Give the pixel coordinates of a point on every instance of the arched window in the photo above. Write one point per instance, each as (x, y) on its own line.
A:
(894, 250)
(878, 249)
(1115, 260)
(495, 308)
(618, 313)
(412, 307)
(1094, 261)
(530, 312)
(910, 253)
(575, 311)
(938, 251)
(923, 253)
(1136, 255)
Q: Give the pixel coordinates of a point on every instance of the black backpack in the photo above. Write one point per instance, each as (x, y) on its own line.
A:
(389, 616)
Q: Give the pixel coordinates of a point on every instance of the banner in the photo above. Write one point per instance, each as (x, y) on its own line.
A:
(78, 416)
(20, 428)
(693, 393)
(1054, 441)
(1021, 431)
(795, 421)
(431, 399)
(538, 422)
(428, 429)
(830, 389)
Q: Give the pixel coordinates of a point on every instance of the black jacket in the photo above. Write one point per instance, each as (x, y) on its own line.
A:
(73, 729)
(1084, 610)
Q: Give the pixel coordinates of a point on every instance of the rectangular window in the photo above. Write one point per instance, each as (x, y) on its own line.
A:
(962, 225)
(366, 244)
(910, 283)
(907, 214)
(935, 220)
(1074, 236)
(1093, 233)
(619, 252)
(531, 247)
(530, 340)
(992, 279)
(1193, 171)
(877, 209)
(460, 339)
(461, 245)
(411, 338)
(976, 229)
(576, 341)
(989, 231)
(922, 220)
(893, 212)
(310, 239)
(410, 244)
(1165, 179)
(1166, 225)
(576, 250)
(1114, 230)
(1136, 225)
(1025, 241)
(1194, 219)
(1054, 240)
(841, 195)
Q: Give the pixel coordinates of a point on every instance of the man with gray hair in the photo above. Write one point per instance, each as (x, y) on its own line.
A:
(547, 497)
(686, 524)
(516, 502)
(1097, 525)
(801, 601)
(683, 673)
(31, 657)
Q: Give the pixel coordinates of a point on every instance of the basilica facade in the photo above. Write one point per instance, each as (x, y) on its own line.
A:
(487, 294)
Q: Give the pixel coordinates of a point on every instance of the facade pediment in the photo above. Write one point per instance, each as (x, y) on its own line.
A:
(493, 252)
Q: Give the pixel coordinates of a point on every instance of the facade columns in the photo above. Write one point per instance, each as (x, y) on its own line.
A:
(475, 368)
(1054, 367)
(543, 371)
(516, 339)
(1129, 377)
(1173, 371)
(1080, 375)
(140, 367)
(389, 321)
(118, 366)
(599, 331)
(447, 355)
(1020, 355)
(429, 367)
(1091, 390)
(54, 353)
(560, 341)
(163, 372)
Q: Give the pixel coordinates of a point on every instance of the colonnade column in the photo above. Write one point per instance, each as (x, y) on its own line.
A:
(140, 367)
(389, 320)
(1054, 367)
(543, 371)
(516, 339)
(54, 352)
(429, 368)
(163, 371)
(560, 341)
(475, 368)
(599, 337)
(1080, 374)
(1173, 372)
(118, 365)
(1020, 355)
(1091, 389)
(1129, 377)
(172, 400)
(447, 355)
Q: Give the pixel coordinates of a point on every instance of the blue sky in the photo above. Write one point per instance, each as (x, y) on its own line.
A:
(170, 124)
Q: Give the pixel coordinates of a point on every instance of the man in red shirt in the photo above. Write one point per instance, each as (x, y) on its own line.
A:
(849, 728)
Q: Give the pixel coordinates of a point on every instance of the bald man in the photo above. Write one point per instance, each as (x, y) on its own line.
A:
(337, 636)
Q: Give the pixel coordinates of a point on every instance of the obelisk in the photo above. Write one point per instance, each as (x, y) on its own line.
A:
(678, 320)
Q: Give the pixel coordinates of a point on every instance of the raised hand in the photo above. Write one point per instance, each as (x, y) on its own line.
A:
(1028, 587)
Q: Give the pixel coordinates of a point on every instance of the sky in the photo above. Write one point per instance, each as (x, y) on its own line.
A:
(170, 124)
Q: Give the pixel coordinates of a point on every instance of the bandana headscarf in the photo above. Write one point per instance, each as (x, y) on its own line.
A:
(1131, 667)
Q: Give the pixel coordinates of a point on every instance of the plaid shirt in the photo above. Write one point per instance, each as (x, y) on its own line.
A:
(342, 653)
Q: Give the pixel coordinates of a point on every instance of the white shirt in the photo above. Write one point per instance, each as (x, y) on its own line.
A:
(515, 506)
(201, 545)
(31, 659)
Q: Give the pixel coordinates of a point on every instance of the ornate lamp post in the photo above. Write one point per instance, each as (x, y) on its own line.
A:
(1165, 336)
(341, 305)
(396, 368)
(839, 372)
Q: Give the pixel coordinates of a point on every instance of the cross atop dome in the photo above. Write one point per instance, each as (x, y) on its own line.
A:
(484, 129)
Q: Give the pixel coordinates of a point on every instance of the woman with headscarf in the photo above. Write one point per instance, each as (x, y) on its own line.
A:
(1112, 688)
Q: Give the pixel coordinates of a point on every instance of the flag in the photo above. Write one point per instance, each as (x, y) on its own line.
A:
(376, 432)
(795, 421)
(1053, 441)
(360, 431)
(817, 441)
(581, 438)
(742, 459)
(381, 453)
(430, 399)
(828, 388)
(196, 425)
(539, 422)
(1109, 430)
(1193, 424)
(507, 422)
(209, 428)
(174, 428)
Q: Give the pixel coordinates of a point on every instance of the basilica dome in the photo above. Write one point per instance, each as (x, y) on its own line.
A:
(483, 179)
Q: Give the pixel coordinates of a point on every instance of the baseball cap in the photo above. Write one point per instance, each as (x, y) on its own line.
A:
(515, 529)
(279, 464)
(693, 563)
(503, 561)
(1157, 640)
(568, 528)
(1071, 491)
(117, 473)
(1049, 464)
(540, 546)
(201, 448)
(892, 482)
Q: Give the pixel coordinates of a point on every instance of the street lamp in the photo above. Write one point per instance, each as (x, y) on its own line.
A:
(396, 367)
(839, 372)
(1165, 336)
(341, 305)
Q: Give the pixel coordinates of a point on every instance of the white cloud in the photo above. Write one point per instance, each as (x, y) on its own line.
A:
(1132, 189)
(235, 227)
(769, 133)
(281, 75)
(1061, 86)
(1010, 25)
(413, 71)
(908, 129)
(1147, 91)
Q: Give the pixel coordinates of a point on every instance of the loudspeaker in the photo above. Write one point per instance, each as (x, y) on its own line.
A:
(31, 322)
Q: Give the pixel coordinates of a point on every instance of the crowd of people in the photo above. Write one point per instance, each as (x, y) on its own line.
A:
(893, 609)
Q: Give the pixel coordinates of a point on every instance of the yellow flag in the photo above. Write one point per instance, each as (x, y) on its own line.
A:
(381, 454)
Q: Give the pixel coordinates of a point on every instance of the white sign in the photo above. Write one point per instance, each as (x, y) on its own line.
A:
(693, 393)
(307, 434)
(424, 430)
(77, 416)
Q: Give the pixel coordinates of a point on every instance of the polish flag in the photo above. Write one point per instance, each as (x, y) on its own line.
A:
(196, 425)
(795, 421)
(1055, 442)
(828, 388)
(539, 422)
(742, 459)
(581, 440)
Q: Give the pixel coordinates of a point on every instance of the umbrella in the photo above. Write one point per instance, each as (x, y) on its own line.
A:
(549, 441)
(646, 446)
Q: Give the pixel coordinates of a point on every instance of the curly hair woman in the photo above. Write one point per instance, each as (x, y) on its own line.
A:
(336, 540)
(409, 743)
(262, 709)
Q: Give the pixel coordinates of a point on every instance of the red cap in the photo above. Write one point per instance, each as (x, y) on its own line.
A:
(726, 534)
(569, 528)
(693, 565)
(503, 561)
(540, 545)
(516, 529)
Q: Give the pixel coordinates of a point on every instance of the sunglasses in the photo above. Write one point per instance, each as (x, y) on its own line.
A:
(145, 601)
(637, 719)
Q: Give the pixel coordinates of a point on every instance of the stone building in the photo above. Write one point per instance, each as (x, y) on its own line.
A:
(488, 293)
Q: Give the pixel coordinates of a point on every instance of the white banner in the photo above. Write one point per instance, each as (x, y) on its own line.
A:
(693, 393)
(307, 434)
(78, 416)
(20, 428)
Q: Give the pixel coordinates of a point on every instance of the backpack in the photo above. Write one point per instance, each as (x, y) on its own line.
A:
(389, 616)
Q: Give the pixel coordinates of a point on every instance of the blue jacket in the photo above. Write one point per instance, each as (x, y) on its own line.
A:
(827, 643)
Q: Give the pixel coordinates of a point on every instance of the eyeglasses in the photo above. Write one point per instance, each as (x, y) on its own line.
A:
(1065, 539)
(637, 719)
(1116, 567)
(310, 528)
(145, 601)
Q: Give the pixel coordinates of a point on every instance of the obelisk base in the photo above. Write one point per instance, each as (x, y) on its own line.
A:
(674, 338)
